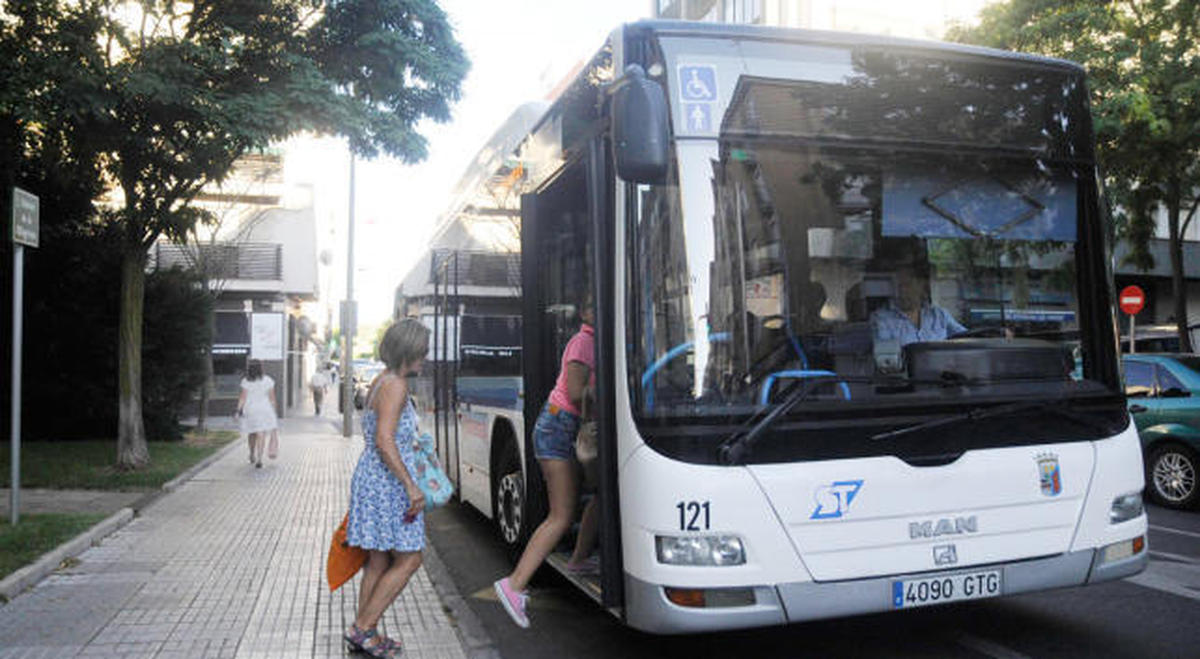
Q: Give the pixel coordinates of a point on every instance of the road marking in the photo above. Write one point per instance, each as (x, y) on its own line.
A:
(1181, 579)
(990, 648)
(1179, 558)
(1167, 529)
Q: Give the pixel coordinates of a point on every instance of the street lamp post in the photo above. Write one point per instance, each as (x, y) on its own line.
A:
(348, 318)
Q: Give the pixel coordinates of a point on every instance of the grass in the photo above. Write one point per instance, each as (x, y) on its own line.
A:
(36, 534)
(89, 465)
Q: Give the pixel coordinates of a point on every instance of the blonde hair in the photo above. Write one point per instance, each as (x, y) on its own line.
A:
(404, 342)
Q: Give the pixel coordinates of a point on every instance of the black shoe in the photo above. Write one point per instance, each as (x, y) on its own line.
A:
(258, 465)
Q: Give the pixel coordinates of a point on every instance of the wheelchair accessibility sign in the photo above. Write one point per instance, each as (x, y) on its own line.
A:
(698, 83)
(698, 96)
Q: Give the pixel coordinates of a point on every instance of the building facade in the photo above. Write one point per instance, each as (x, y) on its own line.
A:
(259, 260)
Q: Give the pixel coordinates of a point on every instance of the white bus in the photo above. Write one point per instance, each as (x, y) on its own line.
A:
(841, 284)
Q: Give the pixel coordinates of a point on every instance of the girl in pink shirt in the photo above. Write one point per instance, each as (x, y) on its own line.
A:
(554, 446)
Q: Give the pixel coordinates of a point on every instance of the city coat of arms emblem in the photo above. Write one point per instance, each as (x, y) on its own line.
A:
(1049, 474)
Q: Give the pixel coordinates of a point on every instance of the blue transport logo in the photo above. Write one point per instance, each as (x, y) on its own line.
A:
(833, 500)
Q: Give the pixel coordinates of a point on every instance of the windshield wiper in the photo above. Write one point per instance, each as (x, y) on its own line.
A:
(732, 450)
(1058, 407)
(735, 448)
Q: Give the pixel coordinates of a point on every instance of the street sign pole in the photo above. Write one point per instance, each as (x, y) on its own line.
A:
(1132, 300)
(14, 492)
(25, 227)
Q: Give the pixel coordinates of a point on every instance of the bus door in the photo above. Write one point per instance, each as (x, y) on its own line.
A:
(559, 273)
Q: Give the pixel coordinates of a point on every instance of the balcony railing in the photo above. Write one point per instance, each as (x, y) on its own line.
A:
(222, 260)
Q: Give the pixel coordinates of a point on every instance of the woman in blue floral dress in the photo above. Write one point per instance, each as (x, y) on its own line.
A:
(386, 506)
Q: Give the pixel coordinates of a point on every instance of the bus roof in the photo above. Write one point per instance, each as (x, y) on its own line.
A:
(797, 35)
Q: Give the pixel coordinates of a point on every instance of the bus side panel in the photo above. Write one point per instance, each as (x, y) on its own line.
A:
(475, 431)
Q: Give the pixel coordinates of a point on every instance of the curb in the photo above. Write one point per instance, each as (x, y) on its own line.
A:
(18, 581)
(13, 584)
(475, 641)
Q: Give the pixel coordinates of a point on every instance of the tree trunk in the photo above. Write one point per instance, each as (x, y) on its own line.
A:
(132, 452)
(1178, 282)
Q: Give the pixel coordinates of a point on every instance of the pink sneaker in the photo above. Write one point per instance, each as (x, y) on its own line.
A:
(513, 601)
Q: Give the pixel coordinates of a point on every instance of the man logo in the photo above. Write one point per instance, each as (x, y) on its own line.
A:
(943, 526)
(945, 555)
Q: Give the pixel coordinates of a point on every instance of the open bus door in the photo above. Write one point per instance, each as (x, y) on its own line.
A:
(568, 225)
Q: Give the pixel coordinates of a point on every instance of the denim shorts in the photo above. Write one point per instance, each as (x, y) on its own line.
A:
(554, 434)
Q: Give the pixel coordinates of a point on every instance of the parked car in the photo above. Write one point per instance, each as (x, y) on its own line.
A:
(364, 374)
(1164, 400)
(1160, 338)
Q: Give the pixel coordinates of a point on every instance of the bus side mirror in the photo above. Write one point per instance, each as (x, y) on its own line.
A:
(640, 128)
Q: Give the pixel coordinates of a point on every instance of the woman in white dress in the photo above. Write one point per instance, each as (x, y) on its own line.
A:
(256, 407)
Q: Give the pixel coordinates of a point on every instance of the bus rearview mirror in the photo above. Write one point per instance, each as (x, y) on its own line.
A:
(640, 128)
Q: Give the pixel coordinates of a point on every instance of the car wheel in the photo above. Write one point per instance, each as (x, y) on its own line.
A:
(1171, 476)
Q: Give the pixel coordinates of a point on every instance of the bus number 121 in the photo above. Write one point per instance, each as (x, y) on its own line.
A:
(689, 515)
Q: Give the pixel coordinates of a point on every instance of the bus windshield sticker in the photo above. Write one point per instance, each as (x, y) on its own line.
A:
(699, 117)
(698, 83)
(833, 500)
(927, 205)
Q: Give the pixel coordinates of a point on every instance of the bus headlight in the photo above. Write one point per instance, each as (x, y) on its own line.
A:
(700, 550)
(1125, 508)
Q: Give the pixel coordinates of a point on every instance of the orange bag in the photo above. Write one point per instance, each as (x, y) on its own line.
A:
(344, 561)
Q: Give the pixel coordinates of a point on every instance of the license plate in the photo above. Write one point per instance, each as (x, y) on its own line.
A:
(939, 589)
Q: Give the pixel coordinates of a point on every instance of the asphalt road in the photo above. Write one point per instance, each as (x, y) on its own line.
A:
(1155, 614)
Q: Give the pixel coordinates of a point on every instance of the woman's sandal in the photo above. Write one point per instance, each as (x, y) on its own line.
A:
(384, 647)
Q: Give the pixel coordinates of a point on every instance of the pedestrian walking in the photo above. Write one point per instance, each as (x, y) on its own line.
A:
(386, 506)
(318, 383)
(256, 408)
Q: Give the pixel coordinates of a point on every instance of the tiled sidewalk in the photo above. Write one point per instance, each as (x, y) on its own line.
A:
(229, 565)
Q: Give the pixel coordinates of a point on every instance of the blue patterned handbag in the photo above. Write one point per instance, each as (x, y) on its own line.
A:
(430, 476)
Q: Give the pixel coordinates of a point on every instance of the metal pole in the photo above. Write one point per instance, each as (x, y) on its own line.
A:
(348, 322)
(458, 310)
(1132, 333)
(14, 493)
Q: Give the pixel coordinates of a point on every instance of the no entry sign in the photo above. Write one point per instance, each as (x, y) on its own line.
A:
(1131, 300)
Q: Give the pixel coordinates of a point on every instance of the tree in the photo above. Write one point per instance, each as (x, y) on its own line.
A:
(173, 93)
(1143, 63)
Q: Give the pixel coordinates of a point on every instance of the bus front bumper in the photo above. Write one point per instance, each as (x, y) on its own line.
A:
(648, 609)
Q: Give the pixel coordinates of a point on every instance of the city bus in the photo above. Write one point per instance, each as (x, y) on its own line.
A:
(834, 280)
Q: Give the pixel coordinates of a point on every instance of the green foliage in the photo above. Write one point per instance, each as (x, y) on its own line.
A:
(69, 357)
(35, 535)
(159, 98)
(177, 336)
(87, 465)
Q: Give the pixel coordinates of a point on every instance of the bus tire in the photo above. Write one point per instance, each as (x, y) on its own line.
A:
(1171, 476)
(510, 508)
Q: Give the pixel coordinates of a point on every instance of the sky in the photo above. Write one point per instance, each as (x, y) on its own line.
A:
(519, 49)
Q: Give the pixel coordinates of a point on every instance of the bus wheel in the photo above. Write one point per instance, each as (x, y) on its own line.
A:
(1171, 476)
(509, 498)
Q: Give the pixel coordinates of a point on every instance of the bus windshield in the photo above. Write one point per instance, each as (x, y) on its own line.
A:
(905, 231)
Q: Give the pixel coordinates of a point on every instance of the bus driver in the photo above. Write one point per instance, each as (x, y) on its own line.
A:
(910, 316)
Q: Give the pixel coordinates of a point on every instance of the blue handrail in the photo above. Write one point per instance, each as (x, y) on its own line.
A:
(766, 388)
